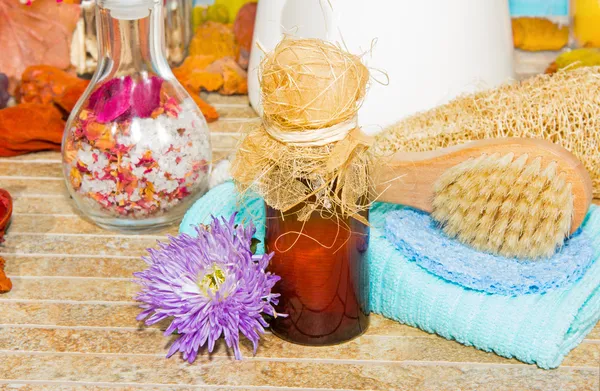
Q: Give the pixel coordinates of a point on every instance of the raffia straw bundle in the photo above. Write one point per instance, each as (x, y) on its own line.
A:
(563, 108)
(308, 151)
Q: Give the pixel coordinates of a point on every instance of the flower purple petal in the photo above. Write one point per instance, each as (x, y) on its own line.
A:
(111, 99)
(210, 286)
(146, 96)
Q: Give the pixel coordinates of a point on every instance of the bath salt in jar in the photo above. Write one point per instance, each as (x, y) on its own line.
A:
(136, 149)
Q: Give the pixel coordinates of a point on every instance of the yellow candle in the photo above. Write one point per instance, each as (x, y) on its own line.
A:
(586, 21)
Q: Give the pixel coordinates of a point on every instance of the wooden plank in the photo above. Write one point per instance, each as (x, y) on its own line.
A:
(365, 348)
(155, 370)
(108, 245)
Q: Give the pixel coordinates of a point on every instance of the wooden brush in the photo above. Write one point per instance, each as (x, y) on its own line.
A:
(514, 197)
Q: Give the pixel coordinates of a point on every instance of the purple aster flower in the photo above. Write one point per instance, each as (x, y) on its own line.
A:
(211, 286)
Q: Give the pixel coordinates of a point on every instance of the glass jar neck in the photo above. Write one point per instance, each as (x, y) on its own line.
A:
(130, 45)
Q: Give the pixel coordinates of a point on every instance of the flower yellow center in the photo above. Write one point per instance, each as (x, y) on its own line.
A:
(213, 279)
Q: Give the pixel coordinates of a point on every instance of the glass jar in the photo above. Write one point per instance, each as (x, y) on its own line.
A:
(84, 46)
(324, 284)
(178, 34)
(136, 151)
(540, 25)
(179, 31)
(585, 18)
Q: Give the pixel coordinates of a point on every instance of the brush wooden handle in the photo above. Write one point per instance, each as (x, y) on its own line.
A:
(409, 178)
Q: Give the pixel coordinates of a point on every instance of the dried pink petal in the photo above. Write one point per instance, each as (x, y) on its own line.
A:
(146, 96)
(112, 99)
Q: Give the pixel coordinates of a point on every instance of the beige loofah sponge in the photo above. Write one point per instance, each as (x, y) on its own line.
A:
(563, 108)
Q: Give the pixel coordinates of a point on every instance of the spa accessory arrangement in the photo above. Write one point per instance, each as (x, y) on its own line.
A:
(473, 219)
(511, 229)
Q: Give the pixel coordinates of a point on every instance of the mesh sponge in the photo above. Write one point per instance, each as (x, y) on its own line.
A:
(562, 108)
(417, 236)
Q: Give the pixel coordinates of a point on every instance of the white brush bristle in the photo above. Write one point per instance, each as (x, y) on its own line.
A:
(506, 205)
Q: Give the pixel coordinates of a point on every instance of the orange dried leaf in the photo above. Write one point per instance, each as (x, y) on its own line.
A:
(214, 39)
(209, 112)
(36, 34)
(5, 282)
(203, 81)
(234, 82)
(45, 84)
(30, 127)
(536, 34)
(243, 29)
(193, 63)
(235, 79)
(193, 75)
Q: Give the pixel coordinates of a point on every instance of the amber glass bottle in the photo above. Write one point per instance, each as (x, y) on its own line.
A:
(324, 286)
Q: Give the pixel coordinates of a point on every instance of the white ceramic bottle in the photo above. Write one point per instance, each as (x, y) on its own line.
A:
(430, 50)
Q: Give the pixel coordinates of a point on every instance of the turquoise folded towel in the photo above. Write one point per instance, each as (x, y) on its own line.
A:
(535, 328)
(416, 235)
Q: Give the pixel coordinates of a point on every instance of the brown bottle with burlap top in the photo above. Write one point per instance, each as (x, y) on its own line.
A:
(324, 284)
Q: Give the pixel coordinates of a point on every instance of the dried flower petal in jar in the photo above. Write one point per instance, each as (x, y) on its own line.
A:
(136, 150)
(133, 151)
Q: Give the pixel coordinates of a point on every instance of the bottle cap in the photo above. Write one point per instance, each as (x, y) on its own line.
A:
(128, 9)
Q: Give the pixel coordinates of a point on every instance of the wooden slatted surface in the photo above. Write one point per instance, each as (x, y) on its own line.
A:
(69, 323)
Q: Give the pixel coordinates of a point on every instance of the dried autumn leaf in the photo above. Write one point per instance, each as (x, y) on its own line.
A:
(5, 283)
(209, 112)
(235, 79)
(30, 127)
(214, 39)
(36, 34)
(45, 84)
(194, 62)
(201, 80)
(192, 74)
(243, 29)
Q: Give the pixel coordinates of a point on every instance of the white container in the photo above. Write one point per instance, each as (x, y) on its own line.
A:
(431, 50)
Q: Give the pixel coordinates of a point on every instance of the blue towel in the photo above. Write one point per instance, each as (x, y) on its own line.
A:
(536, 328)
(414, 233)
